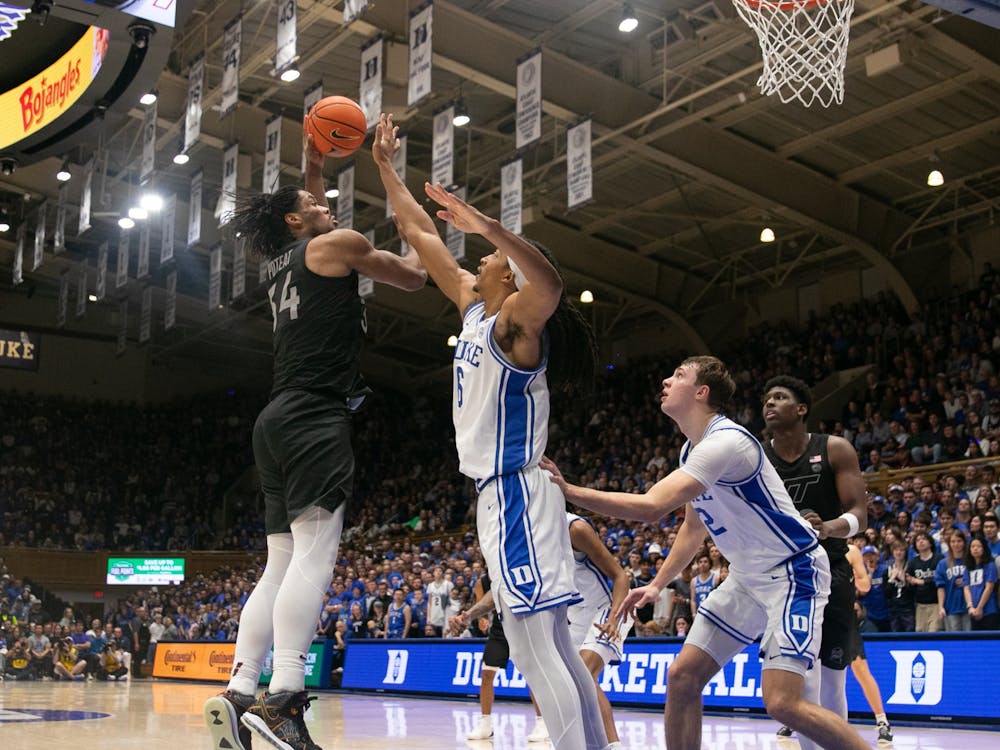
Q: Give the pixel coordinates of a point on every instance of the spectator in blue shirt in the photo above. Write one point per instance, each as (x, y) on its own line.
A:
(874, 600)
(950, 579)
(991, 530)
(980, 590)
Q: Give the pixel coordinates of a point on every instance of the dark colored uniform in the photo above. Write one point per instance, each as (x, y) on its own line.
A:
(811, 484)
(496, 653)
(302, 438)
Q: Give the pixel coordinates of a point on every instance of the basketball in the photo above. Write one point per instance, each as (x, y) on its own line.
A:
(337, 125)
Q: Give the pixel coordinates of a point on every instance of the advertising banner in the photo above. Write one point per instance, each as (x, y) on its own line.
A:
(194, 660)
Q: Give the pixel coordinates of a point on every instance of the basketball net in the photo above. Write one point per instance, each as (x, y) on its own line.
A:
(804, 46)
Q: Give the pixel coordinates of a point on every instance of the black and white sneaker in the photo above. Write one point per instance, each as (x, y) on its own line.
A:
(222, 714)
(277, 718)
(884, 734)
(784, 732)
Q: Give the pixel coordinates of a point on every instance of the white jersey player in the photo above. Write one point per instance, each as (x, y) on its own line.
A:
(514, 316)
(779, 577)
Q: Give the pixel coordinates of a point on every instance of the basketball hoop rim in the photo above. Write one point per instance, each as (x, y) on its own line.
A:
(784, 5)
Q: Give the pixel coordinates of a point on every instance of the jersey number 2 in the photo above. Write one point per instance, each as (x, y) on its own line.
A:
(707, 518)
(289, 300)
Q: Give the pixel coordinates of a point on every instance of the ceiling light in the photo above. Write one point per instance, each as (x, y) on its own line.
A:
(64, 175)
(453, 340)
(138, 213)
(767, 234)
(91, 298)
(629, 22)
(151, 202)
(935, 178)
(181, 158)
(148, 98)
(4, 226)
(586, 296)
(290, 74)
(126, 223)
(332, 193)
(461, 117)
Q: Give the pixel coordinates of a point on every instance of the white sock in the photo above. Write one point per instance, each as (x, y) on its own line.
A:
(881, 719)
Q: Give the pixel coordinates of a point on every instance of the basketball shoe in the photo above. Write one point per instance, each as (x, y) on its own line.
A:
(540, 733)
(483, 730)
(784, 732)
(222, 714)
(277, 718)
(884, 734)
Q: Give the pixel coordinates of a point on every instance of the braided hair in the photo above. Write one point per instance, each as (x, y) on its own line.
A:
(260, 219)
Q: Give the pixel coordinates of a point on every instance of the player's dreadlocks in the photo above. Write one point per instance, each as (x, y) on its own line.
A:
(260, 219)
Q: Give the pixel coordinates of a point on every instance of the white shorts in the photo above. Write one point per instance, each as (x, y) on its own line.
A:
(785, 604)
(524, 538)
(584, 632)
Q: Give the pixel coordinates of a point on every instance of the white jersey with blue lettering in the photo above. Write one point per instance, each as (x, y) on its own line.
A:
(500, 411)
(746, 508)
(593, 585)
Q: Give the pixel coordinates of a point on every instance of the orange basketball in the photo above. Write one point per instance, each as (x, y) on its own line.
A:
(337, 125)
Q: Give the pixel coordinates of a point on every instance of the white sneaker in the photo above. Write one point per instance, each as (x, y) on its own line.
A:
(485, 729)
(539, 733)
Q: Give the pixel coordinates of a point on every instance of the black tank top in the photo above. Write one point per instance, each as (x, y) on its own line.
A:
(319, 327)
(810, 481)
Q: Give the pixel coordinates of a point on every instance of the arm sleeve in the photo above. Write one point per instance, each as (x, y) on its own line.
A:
(728, 455)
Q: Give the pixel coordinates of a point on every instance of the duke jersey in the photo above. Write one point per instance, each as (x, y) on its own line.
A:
(501, 412)
(746, 508)
(811, 482)
(702, 589)
(319, 327)
(395, 621)
(593, 585)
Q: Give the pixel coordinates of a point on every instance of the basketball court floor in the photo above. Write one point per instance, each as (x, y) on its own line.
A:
(160, 715)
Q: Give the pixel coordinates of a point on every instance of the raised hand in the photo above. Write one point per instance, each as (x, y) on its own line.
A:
(313, 154)
(386, 142)
(457, 212)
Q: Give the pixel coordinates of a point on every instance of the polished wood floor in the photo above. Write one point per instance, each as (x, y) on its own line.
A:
(166, 715)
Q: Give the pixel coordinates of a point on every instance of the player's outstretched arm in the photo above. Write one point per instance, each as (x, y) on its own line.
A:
(314, 183)
(330, 252)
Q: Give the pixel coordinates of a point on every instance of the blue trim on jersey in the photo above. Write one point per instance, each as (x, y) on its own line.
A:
(568, 599)
(471, 309)
(800, 602)
(515, 423)
(724, 626)
(500, 357)
(787, 528)
(517, 548)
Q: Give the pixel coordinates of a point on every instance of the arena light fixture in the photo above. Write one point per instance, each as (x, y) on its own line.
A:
(332, 193)
(138, 213)
(148, 98)
(152, 202)
(181, 158)
(629, 22)
(289, 74)
(461, 118)
(91, 298)
(4, 226)
(453, 340)
(935, 178)
(64, 175)
(767, 234)
(126, 223)
(586, 297)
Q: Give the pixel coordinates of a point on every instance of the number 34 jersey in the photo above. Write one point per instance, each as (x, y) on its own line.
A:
(319, 326)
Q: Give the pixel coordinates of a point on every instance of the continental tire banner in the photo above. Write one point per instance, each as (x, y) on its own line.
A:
(201, 660)
(19, 349)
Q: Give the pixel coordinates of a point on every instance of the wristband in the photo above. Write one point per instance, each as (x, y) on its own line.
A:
(852, 524)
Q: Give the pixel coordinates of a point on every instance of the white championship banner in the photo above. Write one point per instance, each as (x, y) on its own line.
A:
(39, 255)
(366, 285)
(86, 193)
(215, 279)
(227, 201)
(232, 38)
(239, 283)
(272, 154)
(192, 114)
(142, 266)
(353, 9)
(285, 51)
(148, 163)
(194, 209)
(455, 238)
(370, 88)
(511, 195)
(312, 95)
(399, 167)
(169, 219)
(17, 272)
(529, 99)
(59, 235)
(121, 265)
(443, 147)
(421, 54)
(146, 314)
(579, 175)
(170, 309)
(122, 341)
(345, 198)
(63, 307)
(101, 287)
(81, 292)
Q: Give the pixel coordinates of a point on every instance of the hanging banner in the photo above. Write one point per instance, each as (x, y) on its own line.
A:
(510, 196)
(227, 202)
(529, 99)
(85, 195)
(313, 94)
(455, 238)
(63, 305)
(170, 308)
(18, 271)
(167, 233)
(399, 166)
(232, 37)
(239, 269)
(146, 315)
(192, 115)
(370, 89)
(272, 154)
(122, 328)
(285, 53)
(20, 349)
(142, 267)
(81, 293)
(443, 147)
(148, 163)
(121, 270)
(262, 271)
(39, 254)
(421, 52)
(353, 9)
(366, 284)
(215, 279)
(579, 176)
(345, 198)
(101, 288)
(194, 209)
(59, 235)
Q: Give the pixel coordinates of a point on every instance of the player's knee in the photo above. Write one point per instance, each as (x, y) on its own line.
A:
(783, 706)
(684, 680)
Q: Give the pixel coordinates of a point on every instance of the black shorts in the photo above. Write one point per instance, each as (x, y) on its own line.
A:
(857, 646)
(302, 448)
(496, 653)
(840, 626)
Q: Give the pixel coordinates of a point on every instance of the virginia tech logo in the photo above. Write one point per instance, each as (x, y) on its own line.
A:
(919, 678)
